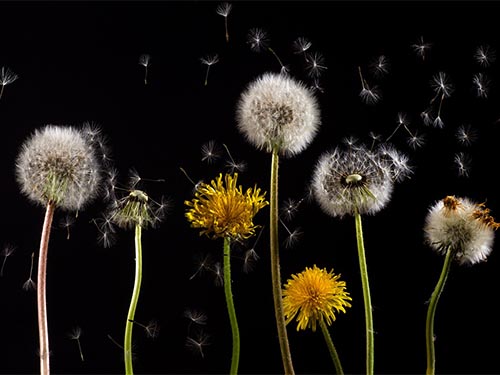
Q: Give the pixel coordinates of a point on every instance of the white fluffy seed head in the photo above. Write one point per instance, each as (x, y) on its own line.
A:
(277, 111)
(461, 225)
(58, 164)
(346, 181)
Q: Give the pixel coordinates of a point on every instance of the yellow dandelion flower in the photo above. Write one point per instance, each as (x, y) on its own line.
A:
(313, 295)
(222, 209)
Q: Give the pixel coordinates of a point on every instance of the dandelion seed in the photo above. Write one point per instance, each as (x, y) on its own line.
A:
(249, 260)
(438, 122)
(152, 329)
(484, 55)
(293, 236)
(210, 152)
(290, 207)
(375, 138)
(223, 10)
(144, 60)
(218, 275)
(196, 316)
(416, 141)
(234, 166)
(66, 223)
(466, 135)
(75, 335)
(7, 251)
(380, 65)
(315, 64)
(301, 45)
(463, 163)
(198, 343)
(368, 95)
(259, 41)
(30, 284)
(350, 141)
(316, 86)
(7, 77)
(442, 85)
(203, 263)
(481, 85)
(427, 117)
(209, 60)
(401, 122)
(421, 47)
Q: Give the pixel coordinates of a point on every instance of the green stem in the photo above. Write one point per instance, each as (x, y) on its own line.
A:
(235, 358)
(431, 312)
(275, 267)
(331, 347)
(43, 332)
(127, 347)
(366, 295)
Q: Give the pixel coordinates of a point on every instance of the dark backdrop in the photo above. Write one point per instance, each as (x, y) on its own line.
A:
(79, 62)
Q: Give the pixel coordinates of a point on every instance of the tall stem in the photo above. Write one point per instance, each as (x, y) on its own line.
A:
(235, 358)
(431, 312)
(366, 295)
(43, 331)
(127, 347)
(331, 347)
(275, 267)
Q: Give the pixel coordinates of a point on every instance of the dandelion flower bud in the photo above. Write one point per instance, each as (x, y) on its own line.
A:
(277, 111)
(464, 227)
(58, 165)
(353, 180)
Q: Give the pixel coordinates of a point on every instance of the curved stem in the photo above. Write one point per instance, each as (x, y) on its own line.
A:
(127, 347)
(331, 347)
(275, 267)
(431, 312)
(43, 331)
(366, 296)
(235, 358)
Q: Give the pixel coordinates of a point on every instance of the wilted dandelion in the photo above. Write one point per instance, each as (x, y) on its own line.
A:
(421, 47)
(7, 76)
(134, 211)
(368, 95)
(281, 116)
(75, 335)
(144, 60)
(57, 167)
(484, 55)
(313, 297)
(30, 284)
(481, 85)
(223, 10)
(7, 251)
(222, 210)
(209, 60)
(462, 231)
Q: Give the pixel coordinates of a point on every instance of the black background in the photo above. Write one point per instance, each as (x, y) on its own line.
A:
(79, 61)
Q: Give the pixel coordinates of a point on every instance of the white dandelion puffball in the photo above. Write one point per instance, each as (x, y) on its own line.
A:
(278, 111)
(58, 165)
(353, 180)
(464, 227)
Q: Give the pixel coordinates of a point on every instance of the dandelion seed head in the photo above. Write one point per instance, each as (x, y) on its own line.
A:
(465, 227)
(58, 165)
(314, 295)
(135, 209)
(278, 111)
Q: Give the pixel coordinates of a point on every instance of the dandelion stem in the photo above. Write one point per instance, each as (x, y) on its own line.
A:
(431, 312)
(275, 266)
(366, 295)
(331, 347)
(41, 291)
(127, 347)
(235, 358)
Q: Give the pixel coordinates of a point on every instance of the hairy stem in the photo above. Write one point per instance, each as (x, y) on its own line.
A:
(235, 358)
(127, 347)
(275, 267)
(431, 312)
(366, 296)
(331, 347)
(43, 331)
